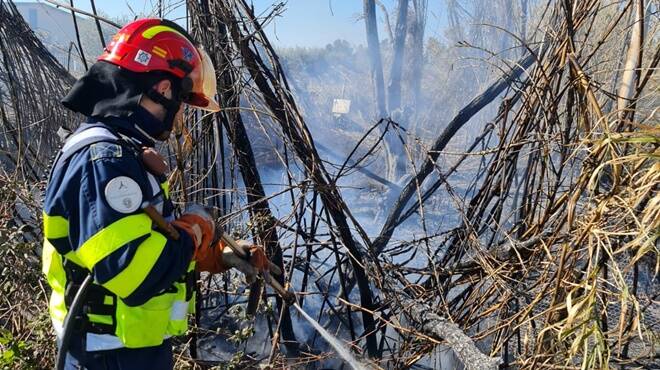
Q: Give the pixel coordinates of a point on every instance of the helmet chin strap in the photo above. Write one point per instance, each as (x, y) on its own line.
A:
(171, 107)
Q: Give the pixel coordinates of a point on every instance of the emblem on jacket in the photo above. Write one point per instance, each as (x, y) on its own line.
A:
(123, 194)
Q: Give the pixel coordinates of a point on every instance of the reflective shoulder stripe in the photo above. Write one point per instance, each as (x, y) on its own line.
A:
(112, 237)
(79, 140)
(146, 255)
(98, 133)
(55, 227)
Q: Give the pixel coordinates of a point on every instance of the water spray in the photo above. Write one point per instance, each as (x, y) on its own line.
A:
(335, 343)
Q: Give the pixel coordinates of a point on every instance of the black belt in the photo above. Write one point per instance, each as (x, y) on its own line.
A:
(94, 302)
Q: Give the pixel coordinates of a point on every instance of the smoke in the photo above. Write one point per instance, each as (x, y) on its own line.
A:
(451, 75)
(453, 70)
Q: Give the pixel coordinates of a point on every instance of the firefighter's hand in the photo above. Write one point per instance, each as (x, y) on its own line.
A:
(256, 263)
(199, 225)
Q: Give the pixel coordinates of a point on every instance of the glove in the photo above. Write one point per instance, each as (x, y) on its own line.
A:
(257, 262)
(200, 226)
(210, 259)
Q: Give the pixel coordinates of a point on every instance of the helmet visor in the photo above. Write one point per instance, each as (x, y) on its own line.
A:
(204, 89)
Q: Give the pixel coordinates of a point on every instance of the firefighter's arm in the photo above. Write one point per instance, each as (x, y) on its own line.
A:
(117, 242)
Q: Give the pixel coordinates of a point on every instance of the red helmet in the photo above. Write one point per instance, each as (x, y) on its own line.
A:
(149, 45)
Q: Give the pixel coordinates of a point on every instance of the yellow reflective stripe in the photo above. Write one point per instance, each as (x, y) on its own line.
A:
(112, 237)
(101, 319)
(57, 307)
(55, 227)
(146, 255)
(54, 271)
(153, 31)
(71, 256)
(166, 188)
(51, 263)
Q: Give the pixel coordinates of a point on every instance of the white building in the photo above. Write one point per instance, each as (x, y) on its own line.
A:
(54, 27)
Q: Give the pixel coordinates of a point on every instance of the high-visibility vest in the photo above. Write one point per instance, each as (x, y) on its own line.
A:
(108, 322)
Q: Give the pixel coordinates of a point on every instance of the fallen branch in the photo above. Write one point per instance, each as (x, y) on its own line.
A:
(438, 327)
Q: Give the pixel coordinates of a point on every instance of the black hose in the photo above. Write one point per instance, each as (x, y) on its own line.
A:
(70, 319)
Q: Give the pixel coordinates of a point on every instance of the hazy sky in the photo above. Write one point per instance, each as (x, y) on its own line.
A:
(303, 23)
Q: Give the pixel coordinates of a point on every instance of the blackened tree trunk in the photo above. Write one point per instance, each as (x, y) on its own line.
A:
(394, 87)
(397, 155)
(373, 46)
(417, 51)
(264, 228)
(274, 88)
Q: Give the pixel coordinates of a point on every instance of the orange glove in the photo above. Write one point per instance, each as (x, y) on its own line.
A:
(199, 225)
(210, 259)
(219, 258)
(200, 229)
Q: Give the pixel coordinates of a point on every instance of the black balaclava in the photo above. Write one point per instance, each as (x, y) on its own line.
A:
(107, 90)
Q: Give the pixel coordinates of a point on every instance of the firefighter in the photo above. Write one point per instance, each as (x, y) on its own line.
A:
(103, 178)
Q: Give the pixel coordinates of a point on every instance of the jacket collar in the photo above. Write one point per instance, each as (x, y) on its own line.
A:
(141, 126)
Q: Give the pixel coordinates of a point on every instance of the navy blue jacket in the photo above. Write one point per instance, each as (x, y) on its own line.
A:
(76, 192)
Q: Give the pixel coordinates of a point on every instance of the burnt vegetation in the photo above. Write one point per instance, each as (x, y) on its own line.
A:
(489, 200)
